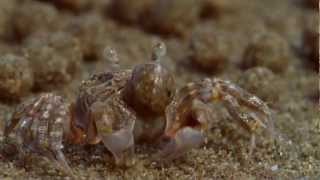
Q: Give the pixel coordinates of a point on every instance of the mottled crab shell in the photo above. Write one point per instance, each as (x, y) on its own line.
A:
(42, 119)
(150, 89)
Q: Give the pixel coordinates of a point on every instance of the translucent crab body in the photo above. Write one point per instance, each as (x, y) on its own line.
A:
(189, 115)
(39, 126)
(123, 106)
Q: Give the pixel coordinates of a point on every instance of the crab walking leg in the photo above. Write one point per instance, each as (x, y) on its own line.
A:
(22, 134)
(16, 116)
(9, 127)
(248, 120)
(62, 164)
(38, 125)
(244, 97)
(59, 161)
(261, 110)
(252, 143)
(55, 146)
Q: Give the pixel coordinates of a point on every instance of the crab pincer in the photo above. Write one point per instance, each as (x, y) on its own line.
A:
(100, 113)
(189, 116)
(114, 125)
(187, 123)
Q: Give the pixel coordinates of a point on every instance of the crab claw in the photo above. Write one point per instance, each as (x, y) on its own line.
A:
(183, 141)
(115, 130)
(186, 124)
(119, 144)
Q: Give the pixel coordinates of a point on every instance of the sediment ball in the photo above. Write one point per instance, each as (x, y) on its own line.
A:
(173, 17)
(63, 44)
(33, 16)
(267, 50)
(91, 32)
(16, 77)
(6, 10)
(210, 50)
(262, 82)
(129, 11)
(50, 68)
(73, 5)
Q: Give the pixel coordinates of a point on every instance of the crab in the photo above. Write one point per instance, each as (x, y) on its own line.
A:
(189, 116)
(120, 108)
(40, 124)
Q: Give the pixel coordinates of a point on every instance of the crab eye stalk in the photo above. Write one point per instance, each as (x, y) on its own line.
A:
(159, 50)
(111, 55)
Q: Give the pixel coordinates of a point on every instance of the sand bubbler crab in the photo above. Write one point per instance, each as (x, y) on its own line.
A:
(39, 125)
(122, 107)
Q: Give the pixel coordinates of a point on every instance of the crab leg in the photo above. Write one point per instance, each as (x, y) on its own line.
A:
(21, 133)
(16, 116)
(244, 97)
(260, 111)
(60, 162)
(55, 137)
(249, 121)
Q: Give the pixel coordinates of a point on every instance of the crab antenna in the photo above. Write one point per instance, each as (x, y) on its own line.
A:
(159, 50)
(111, 55)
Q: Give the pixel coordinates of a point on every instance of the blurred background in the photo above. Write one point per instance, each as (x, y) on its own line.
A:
(269, 48)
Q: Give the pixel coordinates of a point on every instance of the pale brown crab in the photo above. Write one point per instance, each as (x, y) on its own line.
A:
(121, 107)
(39, 126)
(188, 115)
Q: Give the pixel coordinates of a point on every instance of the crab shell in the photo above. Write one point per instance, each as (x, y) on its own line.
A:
(150, 89)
